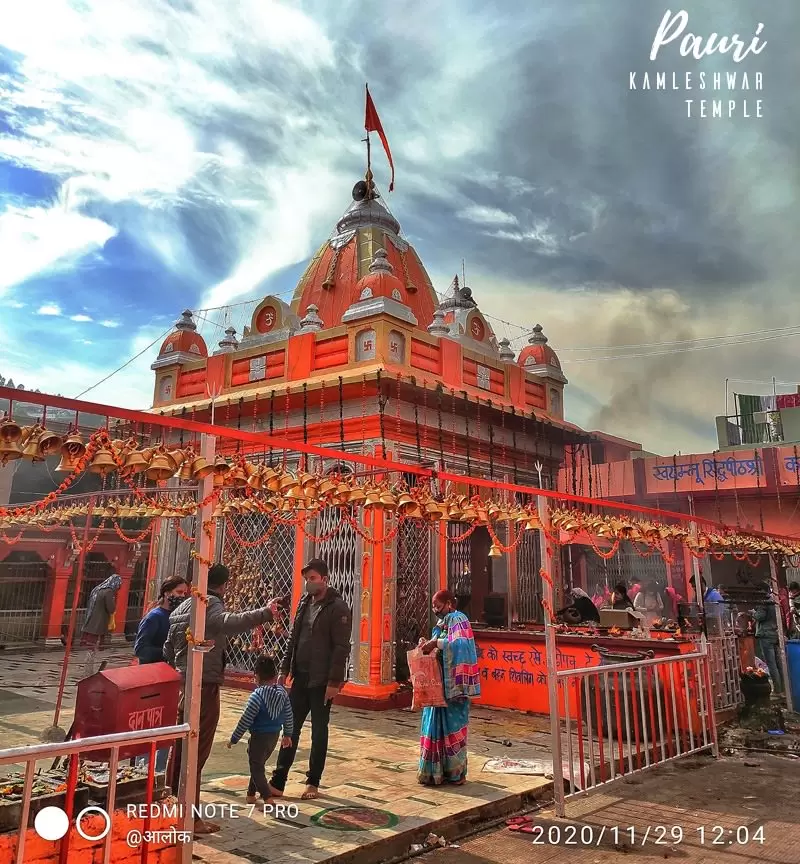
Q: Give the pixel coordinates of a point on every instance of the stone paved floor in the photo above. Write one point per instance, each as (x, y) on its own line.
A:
(738, 794)
(371, 762)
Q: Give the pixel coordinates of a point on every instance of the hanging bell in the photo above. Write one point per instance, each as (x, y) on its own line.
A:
(177, 458)
(388, 500)
(31, 436)
(267, 505)
(373, 498)
(135, 463)
(356, 495)
(68, 464)
(287, 482)
(160, 468)
(102, 462)
(49, 443)
(405, 504)
(111, 510)
(201, 468)
(236, 477)
(326, 487)
(310, 484)
(221, 466)
(433, 511)
(9, 450)
(10, 431)
(255, 479)
(495, 551)
(272, 480)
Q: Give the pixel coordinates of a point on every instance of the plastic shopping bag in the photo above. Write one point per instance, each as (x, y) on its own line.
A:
(426, 678)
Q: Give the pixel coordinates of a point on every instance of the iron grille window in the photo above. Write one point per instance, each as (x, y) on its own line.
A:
(529, 582)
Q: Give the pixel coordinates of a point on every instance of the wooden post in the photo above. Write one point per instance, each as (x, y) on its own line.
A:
(551, 655)
(204, 541)
(73, 612)
(787, 684)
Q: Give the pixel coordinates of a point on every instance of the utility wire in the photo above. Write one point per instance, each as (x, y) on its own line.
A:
(126, 363)
(682, 350)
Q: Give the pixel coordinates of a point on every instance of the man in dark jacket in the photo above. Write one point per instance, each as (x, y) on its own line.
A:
(219, 625)
(316, 658)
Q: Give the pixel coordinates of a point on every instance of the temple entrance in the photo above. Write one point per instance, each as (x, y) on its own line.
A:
(339, 546)
(469, 568)
(23, 586)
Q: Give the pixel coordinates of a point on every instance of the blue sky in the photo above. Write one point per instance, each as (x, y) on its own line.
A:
(160, 155)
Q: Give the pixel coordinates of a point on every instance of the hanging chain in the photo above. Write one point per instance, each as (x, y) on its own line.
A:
(286, 407)
(491, 440)
(271, 423)
(439, 392)
(466, 430)
(514, 444)
(341, 413)
(416, 424)
(381, 408)
(305, 412)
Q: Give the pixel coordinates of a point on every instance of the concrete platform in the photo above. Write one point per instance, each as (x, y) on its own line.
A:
(372, 763)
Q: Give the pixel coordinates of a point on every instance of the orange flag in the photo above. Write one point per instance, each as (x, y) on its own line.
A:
(372, 123)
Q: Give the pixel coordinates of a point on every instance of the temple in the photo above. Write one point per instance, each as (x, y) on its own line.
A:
(367, 359)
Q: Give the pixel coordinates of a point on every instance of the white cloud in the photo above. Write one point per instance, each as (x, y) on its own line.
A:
(14, 304)
(49, 309)
(38, 239)
(488, 216)
(109, 323)
(81, 319)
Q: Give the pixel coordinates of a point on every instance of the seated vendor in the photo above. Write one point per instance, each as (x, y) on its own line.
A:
(581, 610)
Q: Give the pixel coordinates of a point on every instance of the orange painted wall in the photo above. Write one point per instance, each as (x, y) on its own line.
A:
(609, 480)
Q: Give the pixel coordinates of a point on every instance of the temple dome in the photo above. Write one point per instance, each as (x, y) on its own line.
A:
(342, 268)
(184, 340)
(538, 357)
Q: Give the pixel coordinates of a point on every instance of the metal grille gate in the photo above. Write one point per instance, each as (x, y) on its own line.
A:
(413, 591)
(459, 563)
(626, 566)
(529, 583)
(339, 546)
(259, 572)
(22, 595)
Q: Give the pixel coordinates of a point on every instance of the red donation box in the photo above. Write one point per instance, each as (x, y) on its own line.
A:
(128, 699)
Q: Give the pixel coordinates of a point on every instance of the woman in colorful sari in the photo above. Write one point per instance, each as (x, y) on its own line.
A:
(443, 738)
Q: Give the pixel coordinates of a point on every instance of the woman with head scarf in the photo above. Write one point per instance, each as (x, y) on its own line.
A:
(99, 618)
(443, 734)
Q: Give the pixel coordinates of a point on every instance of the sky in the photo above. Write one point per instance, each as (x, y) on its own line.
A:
(163, 154)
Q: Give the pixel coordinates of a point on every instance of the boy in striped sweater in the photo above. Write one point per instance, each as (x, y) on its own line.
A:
(267, 710)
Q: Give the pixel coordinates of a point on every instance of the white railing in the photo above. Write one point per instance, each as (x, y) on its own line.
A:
(624, 718)
(108, 747)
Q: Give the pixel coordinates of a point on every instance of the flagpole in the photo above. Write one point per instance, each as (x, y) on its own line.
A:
(369, 156)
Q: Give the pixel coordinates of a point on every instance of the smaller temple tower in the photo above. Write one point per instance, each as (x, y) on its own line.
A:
(182, 356)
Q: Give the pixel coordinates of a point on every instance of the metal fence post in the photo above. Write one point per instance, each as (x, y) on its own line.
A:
(548, 595)
(787, 684)
(190, 780)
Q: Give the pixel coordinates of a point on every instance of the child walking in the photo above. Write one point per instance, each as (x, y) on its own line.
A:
(267, 710)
